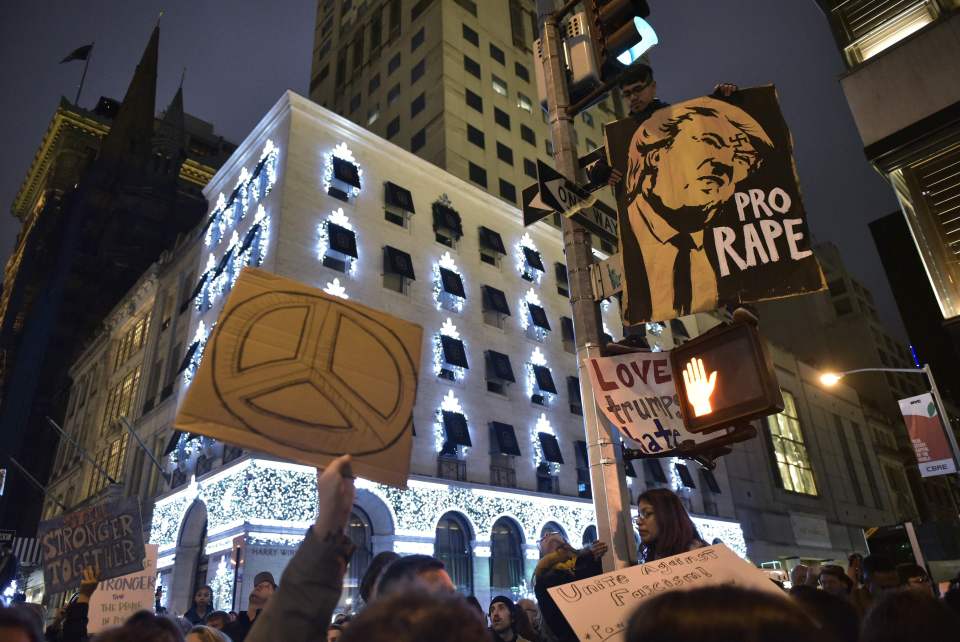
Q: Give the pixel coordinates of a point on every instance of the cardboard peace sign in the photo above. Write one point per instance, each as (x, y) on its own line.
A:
(294, 372)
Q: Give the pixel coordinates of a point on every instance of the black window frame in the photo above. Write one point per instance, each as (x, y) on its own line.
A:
(491, 240)
(456, 430)
(544, 379)
(452, 283)
(471, 36)
(538, 316)
(390, 254)
(550, 447)
(498, 54)
(498, 367)
(474, 100)
(472, 67)
(686, 479)
(454, 352)
(533, 259)
(521, 72)
(476, 136)
(490, 301)
(477, 174)
(398, 197)
(505, 437)
(507, 190)
(502, 118)
(504, 153)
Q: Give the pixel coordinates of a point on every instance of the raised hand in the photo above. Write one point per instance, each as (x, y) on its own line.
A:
(88, 583)
(599, 549)
(699, 386)
(335, 493)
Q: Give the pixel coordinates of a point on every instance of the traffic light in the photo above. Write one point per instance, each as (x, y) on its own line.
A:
(619, 32)
(725, 378)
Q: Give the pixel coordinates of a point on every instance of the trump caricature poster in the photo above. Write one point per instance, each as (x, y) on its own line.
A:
(709, 207)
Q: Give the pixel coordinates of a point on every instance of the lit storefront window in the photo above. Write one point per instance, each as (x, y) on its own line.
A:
(792, 460)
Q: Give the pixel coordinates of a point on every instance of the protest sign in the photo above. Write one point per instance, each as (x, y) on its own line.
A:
(709, 207)
(599, 608)
(927, 436)
(637, 394)
(117, 599)
(107, 536)
(297, 373)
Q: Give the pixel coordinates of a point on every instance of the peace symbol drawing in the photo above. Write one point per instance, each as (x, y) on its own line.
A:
(334, 379)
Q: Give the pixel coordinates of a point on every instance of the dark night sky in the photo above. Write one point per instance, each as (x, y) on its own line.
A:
(241, 55)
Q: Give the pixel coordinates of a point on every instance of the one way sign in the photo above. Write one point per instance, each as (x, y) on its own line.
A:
(554, 193)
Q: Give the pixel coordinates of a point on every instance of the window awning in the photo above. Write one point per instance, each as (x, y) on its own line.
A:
(396, 196)
(533, 258)
(498, 366)
(445, 217)
(347, 172)
(560, 271)
(248, 239)
(496, 300)
(654, 471)
(685, 477)
(573, 389)
(551, 448)
(505, 439)
(452, 283)
(397, 262)
(342, 240)
(455, 429)
(188, 356)
(710, 480)
(453, 351)
(491, 240)
(566, 328)
(544, 379)
(580, 450)
(538, 316)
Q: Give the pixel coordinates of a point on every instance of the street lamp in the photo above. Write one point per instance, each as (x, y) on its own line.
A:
(829, 379)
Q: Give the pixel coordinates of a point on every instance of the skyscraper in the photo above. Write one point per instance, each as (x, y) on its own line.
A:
(108, 191)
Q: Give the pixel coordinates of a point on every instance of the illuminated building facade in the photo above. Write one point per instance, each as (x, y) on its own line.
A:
(498, 455)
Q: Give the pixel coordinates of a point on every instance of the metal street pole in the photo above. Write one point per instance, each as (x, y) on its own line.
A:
(942, 411)
(611, 500)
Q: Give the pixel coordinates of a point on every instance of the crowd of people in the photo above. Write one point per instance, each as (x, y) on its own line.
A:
(412, 598)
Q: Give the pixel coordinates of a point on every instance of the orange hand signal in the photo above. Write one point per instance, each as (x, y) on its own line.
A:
(699, 386)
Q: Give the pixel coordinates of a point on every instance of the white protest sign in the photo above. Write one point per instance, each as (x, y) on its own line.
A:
(599, 608)
(117, 599)
(637, 394)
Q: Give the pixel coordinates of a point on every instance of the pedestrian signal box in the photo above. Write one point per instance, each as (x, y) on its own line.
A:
(725, 378)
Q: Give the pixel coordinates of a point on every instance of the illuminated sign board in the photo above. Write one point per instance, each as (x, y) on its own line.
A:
(725, 378)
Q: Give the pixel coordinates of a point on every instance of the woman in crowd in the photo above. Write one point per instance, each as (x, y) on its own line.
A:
(664, 525)
(561, 563)
(202, 601)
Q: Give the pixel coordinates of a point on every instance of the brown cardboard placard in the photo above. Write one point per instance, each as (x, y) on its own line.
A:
(291, 371)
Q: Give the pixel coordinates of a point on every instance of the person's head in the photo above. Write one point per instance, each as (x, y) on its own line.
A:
(218, 620)
(638, 87)
(475, 603)
(915, 578)
(17, 625)
(203, 597)
(798, 574)
(879, 575)
(552, 542)
(417, 616)
(501, 614)
(664, 525)
(368, 584)
(426, 571)
(835, 581)
(854, 560)
(909, 615)
(687, 161)
(529, 607)
(718, 613)
(202, 633)
(144, 626)
(263, 589)
(334, 631)
(831, 614)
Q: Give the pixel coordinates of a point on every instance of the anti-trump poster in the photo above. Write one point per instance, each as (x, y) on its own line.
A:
(709, 207)
(637, 394)
(108, 537)
(927, 435)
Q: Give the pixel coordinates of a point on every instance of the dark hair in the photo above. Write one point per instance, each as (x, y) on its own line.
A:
(406, 569)
(906, 571)
(877, 564)
(374, 570)
(475, 603)
(144, 626)
(522, 624)
(219, 614)
(909, 615)
(417, 616)
(637, 72)
(832, 614)
(718, 614)
(676, 532)
(839, 573)
(854, 556)
(13, 617)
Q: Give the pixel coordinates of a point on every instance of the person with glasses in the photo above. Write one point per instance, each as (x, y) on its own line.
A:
(665, 527)
(914, 577)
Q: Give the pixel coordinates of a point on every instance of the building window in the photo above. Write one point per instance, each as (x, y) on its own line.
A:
(530, 168)
(469, 6)
(417, 40)
(393, 128)
(502, 118)
(506, 558)
(491, 247)
(450, 466)
(360, 534)
(355, 103)
(398, 204)
(393, 94)
(417, 105)
(532, 261)
(452, 294)
(495, 307)
(499, 373)
(452, 547)
(497, 54)
(394, 63)
(474, 101)
(471, 66)
(471, 36)
(475, 136)
(373, 114)
(543, 386)
(563, 283)
(499, 85)
(566, 332)
(120, 400)
(653, 473)
(397, 269)
(573, 394)
(792, 463)
(342, 247)
(587, 118)
(590, 535)
(508, 191)
(521, 72)
(548, 146)
(110, 458)
(417, 72)
(502, 471)
(478, 175)
(524, 103)
(504, 153)
(418, 140)
(132, 340)
(583, 469)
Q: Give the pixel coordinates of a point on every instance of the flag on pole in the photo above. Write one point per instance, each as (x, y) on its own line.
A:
(80, 53)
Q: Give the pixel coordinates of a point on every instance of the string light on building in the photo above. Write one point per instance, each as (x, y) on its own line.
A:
(442, 298)
(450, 403)
(542, 426)
(342, 152)
(526, 271)
(222, 586)
(440, 363)
(200, 338)
(334, 288)
(536, 359)
(336, 217)
(526, 322)
(212, 235)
